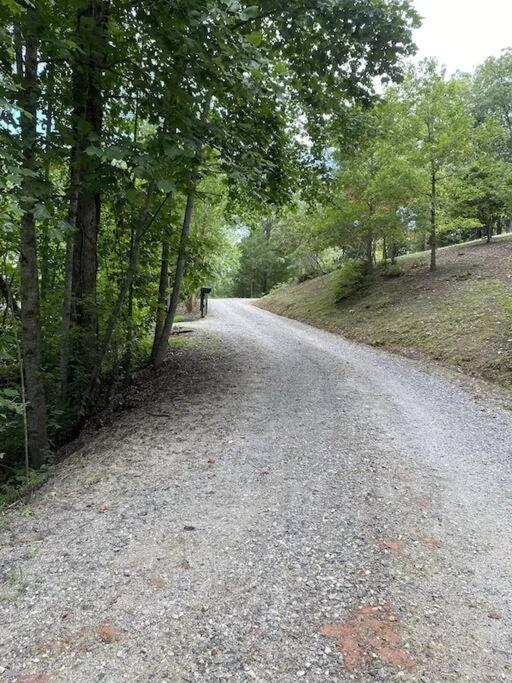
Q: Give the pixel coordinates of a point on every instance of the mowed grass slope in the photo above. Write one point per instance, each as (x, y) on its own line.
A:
(460, 316)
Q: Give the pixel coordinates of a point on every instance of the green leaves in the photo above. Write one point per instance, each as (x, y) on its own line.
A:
(94, 151)
(116, 152)
(165, 185)
(9, 402)
(255, 38)
(250, 13)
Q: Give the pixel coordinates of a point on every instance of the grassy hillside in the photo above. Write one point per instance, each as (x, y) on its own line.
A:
(461, 315)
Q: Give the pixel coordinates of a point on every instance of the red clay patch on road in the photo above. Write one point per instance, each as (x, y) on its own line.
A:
(107, 632)
(430, 541)
(423, 502)
(392, 544)
(371, 632)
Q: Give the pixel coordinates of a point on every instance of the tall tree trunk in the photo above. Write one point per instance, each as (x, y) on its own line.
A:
(6, 292)
(45, 238)
(161, 345)
(29, 287)
(143, 224)
(92, 22)
(127, 362)
(163, 296)
(67, 299)
(433, 221)
(178, 278)
(488, 231)
(369, 251)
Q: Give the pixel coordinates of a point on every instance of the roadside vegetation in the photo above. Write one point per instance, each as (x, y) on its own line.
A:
(429, 166)
(136, 138)
(150, 148)
(461, 317)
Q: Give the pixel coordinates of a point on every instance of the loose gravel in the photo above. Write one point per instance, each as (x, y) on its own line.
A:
(282, 505)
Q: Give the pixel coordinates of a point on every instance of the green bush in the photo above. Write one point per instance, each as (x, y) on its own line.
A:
(18, 485)
(352, 277)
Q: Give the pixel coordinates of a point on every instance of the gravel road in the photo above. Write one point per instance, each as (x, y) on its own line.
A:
(278, 505)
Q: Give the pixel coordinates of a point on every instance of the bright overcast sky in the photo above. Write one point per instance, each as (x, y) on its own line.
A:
(462, 33)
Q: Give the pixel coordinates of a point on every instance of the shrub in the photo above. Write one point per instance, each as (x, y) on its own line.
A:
(352, 277)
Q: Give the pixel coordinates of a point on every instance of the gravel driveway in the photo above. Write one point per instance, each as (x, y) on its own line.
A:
(278, 505)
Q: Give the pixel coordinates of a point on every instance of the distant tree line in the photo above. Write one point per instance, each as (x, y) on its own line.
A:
(429, 165)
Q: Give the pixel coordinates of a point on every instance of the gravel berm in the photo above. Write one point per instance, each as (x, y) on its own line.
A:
(281, 505)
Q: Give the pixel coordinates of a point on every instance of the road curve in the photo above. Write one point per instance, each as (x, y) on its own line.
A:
(279, 505)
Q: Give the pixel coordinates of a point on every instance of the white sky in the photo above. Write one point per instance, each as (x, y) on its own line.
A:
(462, 33)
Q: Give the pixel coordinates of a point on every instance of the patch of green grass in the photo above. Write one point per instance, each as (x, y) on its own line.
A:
(462, 316)
(181, 341)
(17, 486)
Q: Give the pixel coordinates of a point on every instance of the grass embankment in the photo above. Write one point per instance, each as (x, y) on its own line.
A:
(460, 316)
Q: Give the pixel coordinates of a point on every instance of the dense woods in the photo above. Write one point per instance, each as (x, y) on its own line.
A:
(137, 141)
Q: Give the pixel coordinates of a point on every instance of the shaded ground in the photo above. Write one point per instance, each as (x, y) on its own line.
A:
(278, 505)
(461, 316)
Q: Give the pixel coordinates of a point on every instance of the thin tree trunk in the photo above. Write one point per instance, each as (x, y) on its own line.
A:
(433, 222)
(66, 317)
(45, 238)
(180, 269)
(369, 251)
(488, 231)
(6, 292)
(29, 287)
(163, 296)
(143, 225)
(129, 333)
(65, 347)
(161, 346)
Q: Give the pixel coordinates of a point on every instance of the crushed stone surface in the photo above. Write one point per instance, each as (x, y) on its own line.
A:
(281, 505)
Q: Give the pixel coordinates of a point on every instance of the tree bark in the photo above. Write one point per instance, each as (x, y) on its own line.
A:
(369, 251)
(143, 225)
(161, 349)
(45, 239)
(5, 290)
(433, 221)
(87, 127)
(163, 296)
(29, 283)
(66, 304)
(161, 345)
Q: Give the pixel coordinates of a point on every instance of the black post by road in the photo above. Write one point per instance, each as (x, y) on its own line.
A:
(204, 301)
